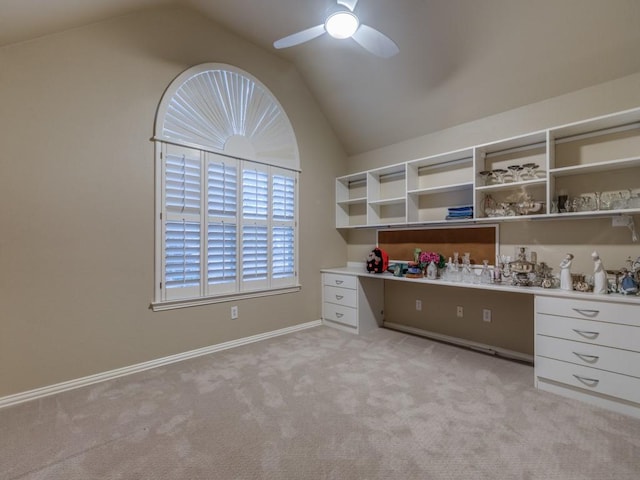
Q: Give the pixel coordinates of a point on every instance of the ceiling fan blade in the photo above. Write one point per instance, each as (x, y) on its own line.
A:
(350, 4)
(375, 42)
(300, 37)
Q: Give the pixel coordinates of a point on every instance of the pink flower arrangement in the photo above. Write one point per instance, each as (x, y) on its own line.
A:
(427, 257)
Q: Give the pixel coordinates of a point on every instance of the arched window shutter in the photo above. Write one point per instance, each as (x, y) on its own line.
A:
(222, 109)
(226, 201)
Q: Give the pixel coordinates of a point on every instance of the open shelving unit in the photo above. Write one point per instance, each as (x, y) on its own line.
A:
(595, 162)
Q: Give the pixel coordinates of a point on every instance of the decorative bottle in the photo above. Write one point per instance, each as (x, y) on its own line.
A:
(485, 275)
(432, 271)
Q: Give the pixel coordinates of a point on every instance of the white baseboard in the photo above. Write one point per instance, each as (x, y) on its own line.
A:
(140, 367)
(523, 357)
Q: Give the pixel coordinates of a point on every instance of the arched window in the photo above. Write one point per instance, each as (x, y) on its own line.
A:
(227, 168)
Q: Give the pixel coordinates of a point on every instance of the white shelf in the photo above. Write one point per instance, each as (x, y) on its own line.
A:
(511, 185)
(353, 201)
(596, 167)
(388, 201)
(442, 189)
(571, 158)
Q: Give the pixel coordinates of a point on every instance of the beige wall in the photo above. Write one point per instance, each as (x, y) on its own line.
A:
(511, 325)
(77, 189)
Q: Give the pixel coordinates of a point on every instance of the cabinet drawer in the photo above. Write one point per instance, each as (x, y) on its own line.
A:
(595, 356)
(589, 379)
(341, 296)
(342, 281)
(588, 331)
(340, 314)
(589, 310)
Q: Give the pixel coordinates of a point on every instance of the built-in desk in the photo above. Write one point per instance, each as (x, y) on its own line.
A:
(586, 346)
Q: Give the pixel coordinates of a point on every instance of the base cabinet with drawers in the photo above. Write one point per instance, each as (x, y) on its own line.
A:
(352, 303)
(589, 350)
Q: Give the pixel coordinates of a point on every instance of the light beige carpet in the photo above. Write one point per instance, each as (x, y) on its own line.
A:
(320, 404)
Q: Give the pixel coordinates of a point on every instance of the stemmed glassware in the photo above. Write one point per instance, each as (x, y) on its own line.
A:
(515, 172)
(531, 170)
(486, 175)
(499, 174)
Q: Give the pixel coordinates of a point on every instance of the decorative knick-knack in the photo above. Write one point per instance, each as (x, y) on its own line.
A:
(432, 271)
(485, 275)
(566, 282)
(600, 283)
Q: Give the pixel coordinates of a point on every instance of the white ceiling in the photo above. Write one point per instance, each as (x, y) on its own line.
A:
(459, 60)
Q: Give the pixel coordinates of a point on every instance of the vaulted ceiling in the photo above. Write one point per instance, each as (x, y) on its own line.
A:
(459, 60)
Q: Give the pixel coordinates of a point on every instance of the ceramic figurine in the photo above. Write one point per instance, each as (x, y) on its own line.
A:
(600, 283)
(566, 282)
(628, 285)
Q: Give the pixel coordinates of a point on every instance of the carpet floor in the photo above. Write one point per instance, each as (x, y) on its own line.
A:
(320, 404)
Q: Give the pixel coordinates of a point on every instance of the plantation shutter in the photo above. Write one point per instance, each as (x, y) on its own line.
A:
(255, 233)
(182, 232)
(222, 211)
(283, 199)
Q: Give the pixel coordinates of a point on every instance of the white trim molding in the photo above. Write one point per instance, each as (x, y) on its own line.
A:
(140, 367)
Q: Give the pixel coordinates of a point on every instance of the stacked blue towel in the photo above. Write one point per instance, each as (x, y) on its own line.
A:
(457, 213)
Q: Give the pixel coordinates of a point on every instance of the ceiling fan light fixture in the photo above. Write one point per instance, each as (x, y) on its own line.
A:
(341, 24)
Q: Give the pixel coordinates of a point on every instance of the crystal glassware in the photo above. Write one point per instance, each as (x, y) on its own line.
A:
(515, 172)
(486, 176)
(530, 170)
(499, 174)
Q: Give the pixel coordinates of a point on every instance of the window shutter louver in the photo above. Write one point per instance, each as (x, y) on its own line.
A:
(182, 254)
(221, 253)
(182, 184)
(222, 189)
(255, 244)
(283, 194)
(282, 257)
(283, 197)
(255, 194)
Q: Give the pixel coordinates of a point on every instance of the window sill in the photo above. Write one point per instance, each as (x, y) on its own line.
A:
(194, 302)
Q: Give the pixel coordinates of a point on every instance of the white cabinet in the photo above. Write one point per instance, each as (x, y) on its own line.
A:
(595, 162)
(351, 302)
(589, 350)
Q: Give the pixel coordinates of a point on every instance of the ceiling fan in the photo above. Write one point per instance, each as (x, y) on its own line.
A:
(343, 23)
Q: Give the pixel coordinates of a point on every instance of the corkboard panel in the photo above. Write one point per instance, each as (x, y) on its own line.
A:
(480, 242)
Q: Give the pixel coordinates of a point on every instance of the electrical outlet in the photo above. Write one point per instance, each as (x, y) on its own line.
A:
(419, 305)
(486, 315)
(459, 312)
(234, 312)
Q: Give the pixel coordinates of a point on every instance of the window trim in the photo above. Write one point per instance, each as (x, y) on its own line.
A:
(267, 139)
(160, 303)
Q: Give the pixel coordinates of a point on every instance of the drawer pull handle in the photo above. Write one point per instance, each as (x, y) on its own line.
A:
(587, 313)
(339, 315)
(589, 382)
(586, 333)
(339, 282)
(339, 297)
(587, 358)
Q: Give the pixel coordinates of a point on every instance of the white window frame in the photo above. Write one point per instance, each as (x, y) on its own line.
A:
(220, 110)
(205, 293)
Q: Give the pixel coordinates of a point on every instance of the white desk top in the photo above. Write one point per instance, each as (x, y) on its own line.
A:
(359, 270)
